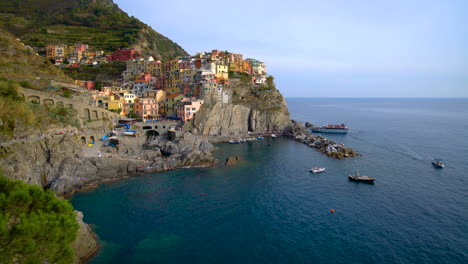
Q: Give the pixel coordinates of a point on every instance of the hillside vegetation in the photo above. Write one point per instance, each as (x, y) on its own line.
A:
(20, 64)
(19, 67)
(99, 23)
(35, 225)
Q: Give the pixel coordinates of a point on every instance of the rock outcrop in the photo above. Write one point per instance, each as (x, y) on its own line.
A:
(323, 145)
(85, 245)
(257, 109)
(232, 160)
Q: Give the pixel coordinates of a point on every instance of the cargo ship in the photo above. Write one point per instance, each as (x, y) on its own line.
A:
(336, 129)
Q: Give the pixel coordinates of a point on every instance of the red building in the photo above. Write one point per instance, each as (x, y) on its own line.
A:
(124, 55)
(90, 85)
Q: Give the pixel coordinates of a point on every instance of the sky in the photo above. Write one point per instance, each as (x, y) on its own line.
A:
(329, 48)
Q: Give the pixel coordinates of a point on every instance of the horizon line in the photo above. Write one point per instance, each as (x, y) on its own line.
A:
(308, 97)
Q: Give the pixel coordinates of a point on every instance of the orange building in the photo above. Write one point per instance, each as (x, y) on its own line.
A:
(146, 108)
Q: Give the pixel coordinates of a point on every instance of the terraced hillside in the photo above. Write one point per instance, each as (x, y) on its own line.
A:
(99, 23)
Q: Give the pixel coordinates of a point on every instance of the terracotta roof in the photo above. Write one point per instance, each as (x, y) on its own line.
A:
(170, 96)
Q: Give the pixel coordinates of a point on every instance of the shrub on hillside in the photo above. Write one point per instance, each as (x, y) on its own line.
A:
(35, 225)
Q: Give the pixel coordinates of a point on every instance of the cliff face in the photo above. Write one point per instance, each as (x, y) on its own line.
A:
(64, 164)
(85, 245)
(256, 109)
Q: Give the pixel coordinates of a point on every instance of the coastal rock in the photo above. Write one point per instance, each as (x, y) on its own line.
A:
(256, 109)
(85, 245)
(323, 145)
(308, 125)
(232, 160)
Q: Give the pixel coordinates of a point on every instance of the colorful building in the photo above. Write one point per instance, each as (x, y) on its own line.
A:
(187, 108)
(171, 100)
(146, 108)
(124, 55)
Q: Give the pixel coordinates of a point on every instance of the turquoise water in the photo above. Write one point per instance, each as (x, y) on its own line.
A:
(270, 209)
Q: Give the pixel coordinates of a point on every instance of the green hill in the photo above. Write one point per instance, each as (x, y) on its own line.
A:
(99, 23)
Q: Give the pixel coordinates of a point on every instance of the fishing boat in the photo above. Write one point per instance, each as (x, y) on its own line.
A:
(317, 170)
(130, 132)
(359, 178)
(335, 129)
(233, 142)
(438, 163)
(259, 137)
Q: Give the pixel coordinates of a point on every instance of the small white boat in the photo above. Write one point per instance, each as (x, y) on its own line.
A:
(273, 135)
(317, 170)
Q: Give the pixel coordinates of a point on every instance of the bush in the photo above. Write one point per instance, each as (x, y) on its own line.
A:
(35, 225)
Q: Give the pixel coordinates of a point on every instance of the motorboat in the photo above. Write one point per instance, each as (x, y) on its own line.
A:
(361, 178)
(317, 170)
(438, 164)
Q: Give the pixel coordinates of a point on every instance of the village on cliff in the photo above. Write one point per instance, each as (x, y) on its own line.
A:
(150, 89)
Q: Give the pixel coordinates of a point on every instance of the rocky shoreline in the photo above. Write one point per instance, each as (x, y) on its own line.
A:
(62, 162)
(300, 133)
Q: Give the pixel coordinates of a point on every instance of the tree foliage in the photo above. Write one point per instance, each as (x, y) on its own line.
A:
(35, 225)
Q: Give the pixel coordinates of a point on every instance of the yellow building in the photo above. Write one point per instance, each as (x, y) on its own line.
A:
(155, 68)
(174, 65)
(171, 100)
(232, 66)
(159, 95)
(116, 103)
(222, 71)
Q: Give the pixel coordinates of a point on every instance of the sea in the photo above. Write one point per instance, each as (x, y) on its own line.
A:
(270, 209)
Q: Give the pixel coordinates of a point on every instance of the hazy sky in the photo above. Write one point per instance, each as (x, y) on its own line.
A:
(329, 48)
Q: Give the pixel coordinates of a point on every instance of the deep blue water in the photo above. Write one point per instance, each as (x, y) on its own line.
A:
(270, 209)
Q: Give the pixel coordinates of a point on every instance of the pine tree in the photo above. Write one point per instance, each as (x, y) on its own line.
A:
(35, 225)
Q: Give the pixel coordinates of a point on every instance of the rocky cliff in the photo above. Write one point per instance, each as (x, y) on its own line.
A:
(257, 109)
(65, 165)
(85, 245)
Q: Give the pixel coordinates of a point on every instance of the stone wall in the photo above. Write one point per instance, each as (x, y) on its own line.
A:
(86, 111)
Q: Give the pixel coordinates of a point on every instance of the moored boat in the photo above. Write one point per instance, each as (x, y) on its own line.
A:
(233, 142)
(273, 135)
(361, 178)
(438, 163)
(317, 170)
(130, 132)
(259, 137)
(335, 129)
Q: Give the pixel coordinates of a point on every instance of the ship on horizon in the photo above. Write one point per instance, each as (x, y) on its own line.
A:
(335, 129)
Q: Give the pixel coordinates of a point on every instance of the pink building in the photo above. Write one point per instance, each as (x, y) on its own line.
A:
(144, 77)
(146, 108)
(184, 64)
(187, 108)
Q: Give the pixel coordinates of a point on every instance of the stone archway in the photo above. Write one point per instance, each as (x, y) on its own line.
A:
(95, 115)
(92, 139)
(48, 102)
(83, 139)
(86, 114)
(152, 133)
(34, 99)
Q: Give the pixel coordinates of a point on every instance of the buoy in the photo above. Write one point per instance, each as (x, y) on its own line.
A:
(332, 210)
